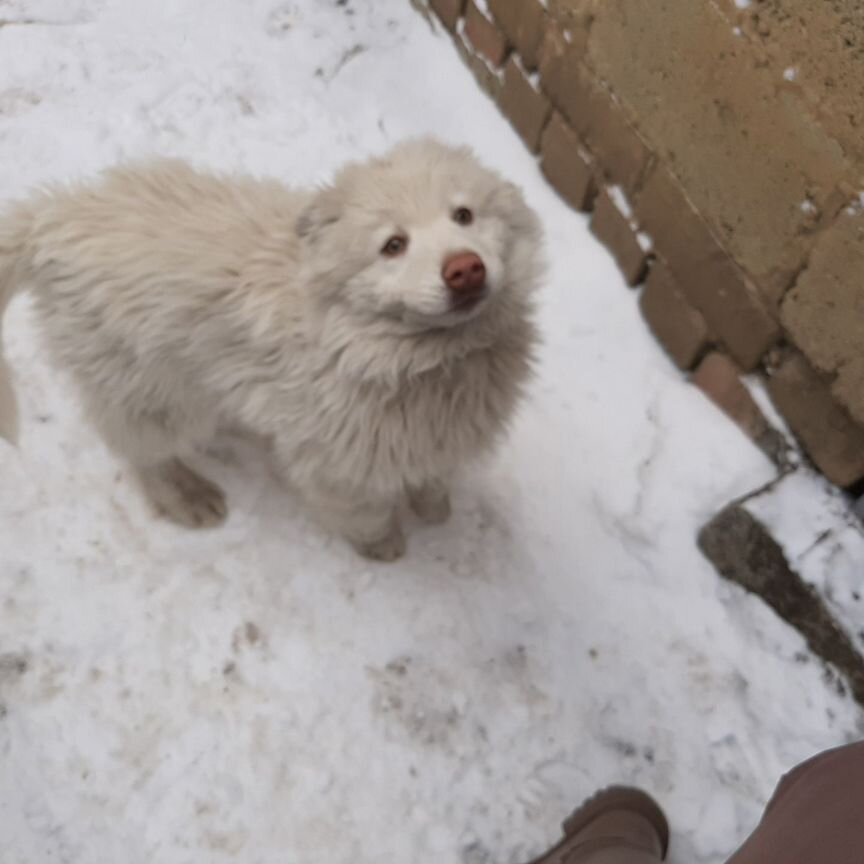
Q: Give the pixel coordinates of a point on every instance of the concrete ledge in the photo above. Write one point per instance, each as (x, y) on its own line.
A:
(743, 551)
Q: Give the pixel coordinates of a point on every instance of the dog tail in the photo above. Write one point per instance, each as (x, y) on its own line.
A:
(14, 227)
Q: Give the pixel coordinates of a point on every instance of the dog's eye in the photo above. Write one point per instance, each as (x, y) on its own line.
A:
(396, 245)
(463, 216)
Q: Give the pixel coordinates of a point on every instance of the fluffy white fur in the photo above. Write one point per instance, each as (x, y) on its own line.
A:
(182, 303)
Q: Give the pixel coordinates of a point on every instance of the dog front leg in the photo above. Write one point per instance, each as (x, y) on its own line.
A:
(372, 527)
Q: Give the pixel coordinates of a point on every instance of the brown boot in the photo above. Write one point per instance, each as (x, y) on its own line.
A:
(616, 826)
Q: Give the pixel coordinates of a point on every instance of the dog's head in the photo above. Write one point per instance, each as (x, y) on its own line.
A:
(425, 235)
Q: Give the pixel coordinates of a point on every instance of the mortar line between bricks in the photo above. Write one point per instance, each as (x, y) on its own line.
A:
(601, 83)
(708, 348)
(827, 225)
(546, 121)
(802, 268)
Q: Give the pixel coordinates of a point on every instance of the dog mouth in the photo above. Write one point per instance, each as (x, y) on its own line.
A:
(460, 309)
(468, 302)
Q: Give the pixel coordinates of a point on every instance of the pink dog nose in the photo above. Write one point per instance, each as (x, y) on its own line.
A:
(465, 274)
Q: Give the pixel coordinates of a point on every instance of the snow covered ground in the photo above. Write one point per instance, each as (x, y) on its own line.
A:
(260, 695)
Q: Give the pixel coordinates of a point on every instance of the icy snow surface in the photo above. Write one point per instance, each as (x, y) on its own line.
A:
(258, 694)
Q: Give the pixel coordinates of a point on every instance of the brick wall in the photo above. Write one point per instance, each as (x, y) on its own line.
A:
(720, 152)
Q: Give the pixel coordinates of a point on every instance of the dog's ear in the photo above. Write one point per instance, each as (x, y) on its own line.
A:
(323, 210)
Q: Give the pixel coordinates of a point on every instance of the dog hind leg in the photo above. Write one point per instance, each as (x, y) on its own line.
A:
(430, 502)
(153, 443)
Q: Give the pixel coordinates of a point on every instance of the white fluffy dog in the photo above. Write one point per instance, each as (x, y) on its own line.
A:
(377, 331)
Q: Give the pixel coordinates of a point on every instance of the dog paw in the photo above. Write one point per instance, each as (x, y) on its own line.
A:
(184, 497)
(387, 549)
(431, 504)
